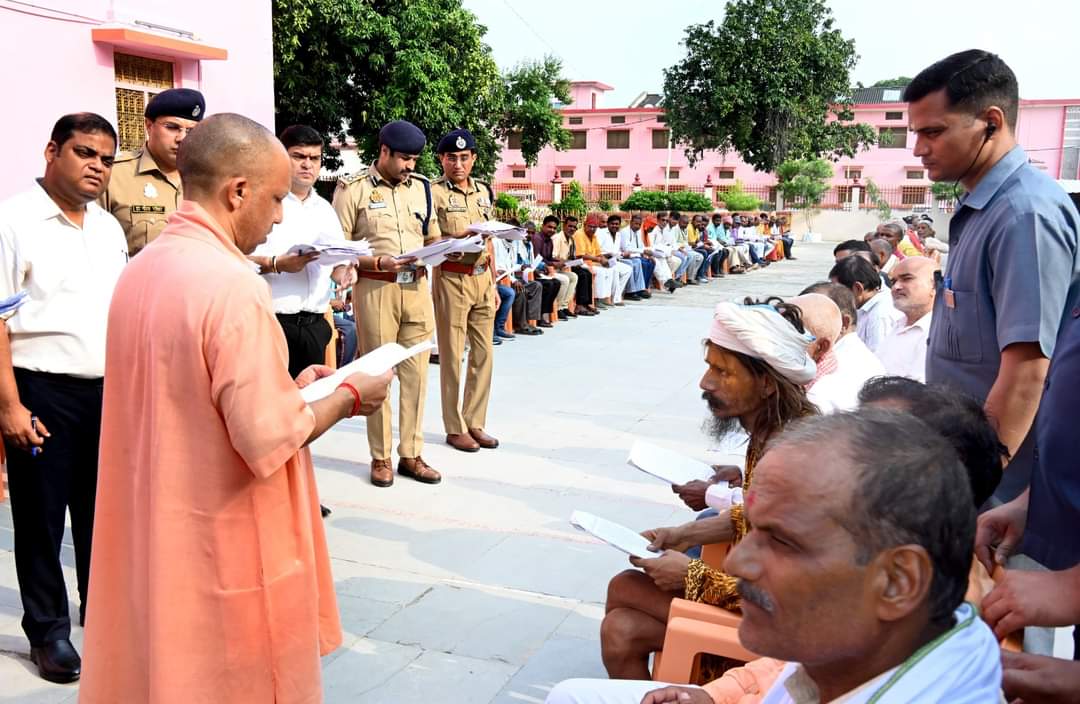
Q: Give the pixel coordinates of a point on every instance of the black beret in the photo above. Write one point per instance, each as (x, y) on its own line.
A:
(456, 141)
(177, 102)
(402, 136)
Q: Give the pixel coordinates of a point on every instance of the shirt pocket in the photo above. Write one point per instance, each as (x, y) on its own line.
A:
(144, 227)
(962, 328)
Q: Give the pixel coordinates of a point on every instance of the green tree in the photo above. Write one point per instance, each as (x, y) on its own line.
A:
(802, 183)
(898, 82)
(884, 210)
(765, 82)
(346, 67)
(737, 199)
(946, 190)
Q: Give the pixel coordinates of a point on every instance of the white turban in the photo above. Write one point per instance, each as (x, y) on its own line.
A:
(759, 331)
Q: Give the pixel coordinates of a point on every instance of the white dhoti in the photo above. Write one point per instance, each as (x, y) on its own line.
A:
(603, 277)
(623, 272)
(663, 269)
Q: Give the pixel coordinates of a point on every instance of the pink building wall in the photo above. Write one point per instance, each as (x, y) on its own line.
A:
(1040, 130)
(52, 66)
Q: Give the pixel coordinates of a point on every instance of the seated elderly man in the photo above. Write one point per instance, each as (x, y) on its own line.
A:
(757, 366)
(877, 316)
(587, 248)
(822, 318)
(854, 574)
(632, 246)
(855, 363)
(903, 351)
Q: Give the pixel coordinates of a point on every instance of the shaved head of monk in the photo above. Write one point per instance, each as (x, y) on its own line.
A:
(239, 173)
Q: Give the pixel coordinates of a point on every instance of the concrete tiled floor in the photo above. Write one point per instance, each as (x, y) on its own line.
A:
(479, 590)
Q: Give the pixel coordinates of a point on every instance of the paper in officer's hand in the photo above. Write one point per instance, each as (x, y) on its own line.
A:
(613, 534)
(373, 363)
(494, 228)
(8, 305)
(670, 466)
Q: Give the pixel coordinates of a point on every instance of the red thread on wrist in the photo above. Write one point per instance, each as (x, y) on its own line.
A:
(356, 395)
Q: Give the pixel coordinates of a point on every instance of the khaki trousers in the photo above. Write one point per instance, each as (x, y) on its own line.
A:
(464, 309)
(401, 313)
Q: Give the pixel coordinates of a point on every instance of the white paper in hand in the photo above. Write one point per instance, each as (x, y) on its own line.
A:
(494, 228)
(373, 363)
(613, 534)
(664, 464)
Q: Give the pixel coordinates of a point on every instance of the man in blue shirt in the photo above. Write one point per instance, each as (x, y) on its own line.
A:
(1013, 269)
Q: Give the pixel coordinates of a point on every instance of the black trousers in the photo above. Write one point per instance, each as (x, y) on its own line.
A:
(583, 293)
(307, 335)
(717, 262)
(61, 478)
(526, 304)
(789, 242)
(548, 295)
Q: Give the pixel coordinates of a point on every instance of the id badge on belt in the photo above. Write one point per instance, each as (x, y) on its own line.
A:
(406, 276)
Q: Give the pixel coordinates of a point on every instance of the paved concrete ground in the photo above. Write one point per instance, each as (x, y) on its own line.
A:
(479, 590)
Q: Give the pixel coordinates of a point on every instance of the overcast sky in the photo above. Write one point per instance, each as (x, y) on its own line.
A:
(627, 43)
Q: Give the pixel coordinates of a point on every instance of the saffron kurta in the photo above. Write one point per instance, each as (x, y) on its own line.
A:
(211, 579)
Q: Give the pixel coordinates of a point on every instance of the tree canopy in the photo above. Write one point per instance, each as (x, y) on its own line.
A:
(898, 82)
(350, 66)
(765, 83)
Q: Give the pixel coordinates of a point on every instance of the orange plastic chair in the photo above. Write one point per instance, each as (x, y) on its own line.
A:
(331, 347)
(693, 629)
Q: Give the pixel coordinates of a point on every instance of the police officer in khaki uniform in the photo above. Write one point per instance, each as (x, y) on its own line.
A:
(145, 185)
(464, 291)
(391, 207)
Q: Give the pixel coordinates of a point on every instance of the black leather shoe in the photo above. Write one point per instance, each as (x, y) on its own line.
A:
(57, 661)
(564, 315)
(543, 324)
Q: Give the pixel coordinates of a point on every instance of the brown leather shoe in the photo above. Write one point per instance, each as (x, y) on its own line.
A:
(463, 442)
(483, 439)
(382, 472)
(416, 468)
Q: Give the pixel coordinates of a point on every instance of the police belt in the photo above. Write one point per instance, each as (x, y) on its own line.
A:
(459, 268)
(393, 276)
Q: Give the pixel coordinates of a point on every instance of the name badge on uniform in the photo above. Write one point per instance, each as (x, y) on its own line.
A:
(376, 201)
(139, 209)
(479, 269)
(452, 205)
(405, 277)
(149, 191)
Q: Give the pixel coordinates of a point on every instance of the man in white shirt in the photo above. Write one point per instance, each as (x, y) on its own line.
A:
(67, 252)
(692, 260)
(903, 352)
(300, 286)
(876, 312)
(855, 363)
(662, 248)
(631, 245)
(823, 320)
(609, 246)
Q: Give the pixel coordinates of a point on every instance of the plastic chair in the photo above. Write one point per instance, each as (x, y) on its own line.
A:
(331, 347)
(693, 629)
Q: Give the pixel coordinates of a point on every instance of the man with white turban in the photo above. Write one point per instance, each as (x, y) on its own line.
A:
(758, 366)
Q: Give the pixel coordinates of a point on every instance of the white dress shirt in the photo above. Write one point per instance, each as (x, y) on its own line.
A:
(70, 273)
(308, 221)
(877, 317)
(631, 241)
(855, 365)
(903, 352)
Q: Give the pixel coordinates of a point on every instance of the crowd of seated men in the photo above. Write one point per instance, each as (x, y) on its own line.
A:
(859, 579)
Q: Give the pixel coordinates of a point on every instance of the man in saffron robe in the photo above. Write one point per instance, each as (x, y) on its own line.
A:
(212, 574)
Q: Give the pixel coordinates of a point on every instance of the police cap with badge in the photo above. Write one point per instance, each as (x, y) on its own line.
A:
(402, 136)
(177, 102)
(457, 140)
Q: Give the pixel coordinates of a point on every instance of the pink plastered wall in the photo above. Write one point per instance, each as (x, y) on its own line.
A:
(52, 66)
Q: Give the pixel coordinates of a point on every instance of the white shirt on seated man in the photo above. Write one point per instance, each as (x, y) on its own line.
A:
(853, 589)
(903, 351)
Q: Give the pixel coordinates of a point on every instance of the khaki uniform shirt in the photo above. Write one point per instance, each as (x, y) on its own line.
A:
(140, 197)
(458, 208)
(390, 218)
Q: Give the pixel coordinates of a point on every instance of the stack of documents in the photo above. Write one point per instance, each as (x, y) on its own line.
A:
(494, 228)
(341, 252)
(435, 253)
(373, 363)
(670, 466)
(575, 262)
(613, 534)
(8, 305)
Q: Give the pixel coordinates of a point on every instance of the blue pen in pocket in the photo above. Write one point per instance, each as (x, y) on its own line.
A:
(34, 451)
